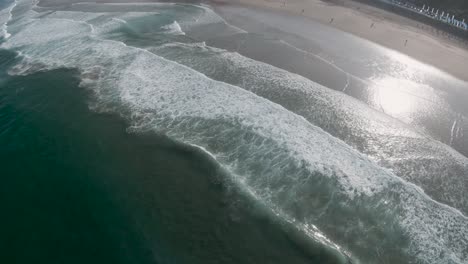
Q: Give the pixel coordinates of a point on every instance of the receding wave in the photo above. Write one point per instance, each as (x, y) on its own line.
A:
(414, 156)
(324, 186)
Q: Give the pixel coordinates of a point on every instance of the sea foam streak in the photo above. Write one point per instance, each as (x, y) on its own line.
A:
(5, 17)
(287, 163)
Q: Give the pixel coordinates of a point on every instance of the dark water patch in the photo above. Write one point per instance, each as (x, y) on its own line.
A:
(5, 4)
(55, 208)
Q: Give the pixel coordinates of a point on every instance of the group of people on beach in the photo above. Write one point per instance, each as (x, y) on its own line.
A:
(332, 19)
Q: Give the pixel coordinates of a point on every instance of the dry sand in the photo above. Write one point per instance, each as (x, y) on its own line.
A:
(379, 26)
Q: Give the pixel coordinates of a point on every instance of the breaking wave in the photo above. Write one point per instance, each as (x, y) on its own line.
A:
(414, 156)
(271, 148)
(174, 28)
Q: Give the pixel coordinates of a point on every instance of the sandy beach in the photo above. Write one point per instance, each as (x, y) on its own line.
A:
(234, 133)
(379, 26)
(393, 31)
(393, 64)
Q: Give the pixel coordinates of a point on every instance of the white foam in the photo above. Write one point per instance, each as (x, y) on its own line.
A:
(283, 159)
(412, 155)
(5, 17)
(327, 62)
(174, 28)
(5, 33)
(120, 20)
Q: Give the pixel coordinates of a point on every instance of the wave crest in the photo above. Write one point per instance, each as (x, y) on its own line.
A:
(287, 163)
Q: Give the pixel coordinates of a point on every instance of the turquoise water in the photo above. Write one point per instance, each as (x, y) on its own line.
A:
(126, 138)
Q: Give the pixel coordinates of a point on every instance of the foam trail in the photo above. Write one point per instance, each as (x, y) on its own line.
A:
(209, 17)
(457, 134)
(290, 165)
(120, 20)
(348, 75)
(327, 62)
(5, 33)
(452, 132)
(347, 83)
(204, 150)
(5, 17)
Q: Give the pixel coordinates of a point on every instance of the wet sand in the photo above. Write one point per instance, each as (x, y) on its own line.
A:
(349, 53)
(425, 97)
(396, 32)
(390, 30)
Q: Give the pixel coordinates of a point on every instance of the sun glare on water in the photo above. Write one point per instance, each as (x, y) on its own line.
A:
(392, 96)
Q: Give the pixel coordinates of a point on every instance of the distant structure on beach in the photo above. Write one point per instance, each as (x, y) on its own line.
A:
(432, 13)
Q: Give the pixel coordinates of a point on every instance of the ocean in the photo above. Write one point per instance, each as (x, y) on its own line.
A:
(162, 133)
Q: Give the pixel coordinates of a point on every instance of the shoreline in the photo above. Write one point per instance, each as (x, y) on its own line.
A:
(390, 30)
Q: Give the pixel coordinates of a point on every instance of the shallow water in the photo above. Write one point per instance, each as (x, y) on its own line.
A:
(203, 155)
